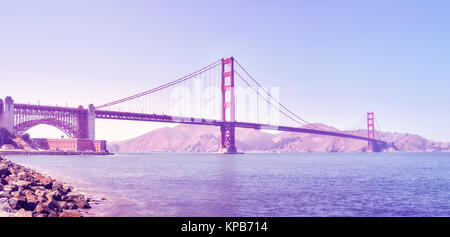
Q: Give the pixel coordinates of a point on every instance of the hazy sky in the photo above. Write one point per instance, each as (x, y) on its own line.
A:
(332, 60)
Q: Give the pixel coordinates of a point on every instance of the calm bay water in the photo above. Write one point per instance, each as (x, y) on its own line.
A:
(291, 184)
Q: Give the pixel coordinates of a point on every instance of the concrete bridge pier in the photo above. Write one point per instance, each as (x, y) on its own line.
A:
(7, 114)
(91, 122)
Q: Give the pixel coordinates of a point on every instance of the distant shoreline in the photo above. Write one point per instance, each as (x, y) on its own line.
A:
(57, 153)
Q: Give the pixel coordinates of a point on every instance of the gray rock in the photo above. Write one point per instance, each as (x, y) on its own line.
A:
(24, 213)
(21, 183)
(3, 200)
(4, 171)
(5, 207)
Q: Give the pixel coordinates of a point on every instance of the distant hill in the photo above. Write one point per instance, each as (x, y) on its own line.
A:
(191, 138)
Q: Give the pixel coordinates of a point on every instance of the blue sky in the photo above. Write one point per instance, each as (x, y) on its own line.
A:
(332, 60)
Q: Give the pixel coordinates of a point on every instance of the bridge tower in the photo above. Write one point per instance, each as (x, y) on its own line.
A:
(7, 114)
(370, 132)
(91, 122)
(227, 129)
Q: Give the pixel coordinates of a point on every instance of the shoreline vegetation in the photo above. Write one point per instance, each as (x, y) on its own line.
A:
(11, 144)
(27, 193)
(50, 152)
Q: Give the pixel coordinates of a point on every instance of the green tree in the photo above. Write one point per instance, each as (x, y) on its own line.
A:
(6, 137)
(26, 137)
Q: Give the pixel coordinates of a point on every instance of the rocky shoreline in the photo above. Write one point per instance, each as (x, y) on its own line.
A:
(26, 193)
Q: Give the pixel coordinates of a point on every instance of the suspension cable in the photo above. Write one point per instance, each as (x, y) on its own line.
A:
(212, 65)
(376, 121)
(266, 99)
(289, 111)
(356, 124)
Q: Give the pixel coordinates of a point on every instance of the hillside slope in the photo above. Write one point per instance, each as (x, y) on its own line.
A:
(191, 138)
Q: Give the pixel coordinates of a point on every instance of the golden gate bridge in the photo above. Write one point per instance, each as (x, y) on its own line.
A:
(222, 94)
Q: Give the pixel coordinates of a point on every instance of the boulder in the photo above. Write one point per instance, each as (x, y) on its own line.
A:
(32, 201)
(72, 205)
(53, 214)
(41, 215)
(68, 189)
(17, 202)
(14, 188)
(65, 190)
(5, 207)
(40, 192)
(47, 182)
(22, 175)
(3, 200)
(57, 185)
(10, 188)
(4, 171)
(56, 195)
(67, 213)
(38, 176)
(17, 193)
(24, 213)
(35, 187)
(42, 209)
(54, 205)
(83, 204)
(42, 199)
(5, 194)
(21, 183)
(27, 192)
(74, 197)
(63, 205)
(11, 178)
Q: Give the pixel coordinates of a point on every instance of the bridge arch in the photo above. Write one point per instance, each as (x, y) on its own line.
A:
(68, 129)
(71, 121)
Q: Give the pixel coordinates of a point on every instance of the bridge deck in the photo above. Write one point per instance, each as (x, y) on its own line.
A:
(103, 114)
(48, 108)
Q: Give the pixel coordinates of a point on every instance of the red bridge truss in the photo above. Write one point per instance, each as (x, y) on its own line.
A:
(155, 106)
